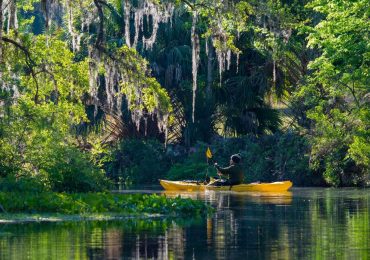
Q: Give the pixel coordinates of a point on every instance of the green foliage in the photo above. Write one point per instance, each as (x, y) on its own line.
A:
(45, 85)
(231, 103)
(22, 184)
(37, 145)
(66, 169)
(190, 169)
(335, 94)
(85, 203)
(143, 93)
(278, 157)
(71, 170)
(138, 161)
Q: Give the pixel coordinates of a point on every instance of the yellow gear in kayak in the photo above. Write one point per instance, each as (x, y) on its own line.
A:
(209, 153)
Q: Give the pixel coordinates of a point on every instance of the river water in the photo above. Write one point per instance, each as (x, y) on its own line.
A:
(307, 223)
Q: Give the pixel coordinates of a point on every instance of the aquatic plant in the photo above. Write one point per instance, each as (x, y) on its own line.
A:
(85, 203)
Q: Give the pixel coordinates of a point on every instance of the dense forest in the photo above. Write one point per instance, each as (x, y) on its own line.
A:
(94, 92)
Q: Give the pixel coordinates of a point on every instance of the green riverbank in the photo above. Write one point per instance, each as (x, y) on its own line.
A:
(52, 206)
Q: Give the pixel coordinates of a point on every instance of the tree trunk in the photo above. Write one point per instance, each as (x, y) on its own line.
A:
(12, 15)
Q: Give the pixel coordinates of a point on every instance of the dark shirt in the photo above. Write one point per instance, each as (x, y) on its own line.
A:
(234, 173)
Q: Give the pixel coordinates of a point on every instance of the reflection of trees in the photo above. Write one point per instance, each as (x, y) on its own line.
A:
(314, 223)
(340, 224)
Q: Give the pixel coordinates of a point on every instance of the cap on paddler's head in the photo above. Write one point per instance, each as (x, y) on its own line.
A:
(236, 158)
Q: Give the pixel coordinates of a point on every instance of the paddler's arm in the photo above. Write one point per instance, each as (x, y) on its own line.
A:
(224, 171)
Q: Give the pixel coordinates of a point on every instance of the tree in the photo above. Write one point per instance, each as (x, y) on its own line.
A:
(44, 84)
(337, 91)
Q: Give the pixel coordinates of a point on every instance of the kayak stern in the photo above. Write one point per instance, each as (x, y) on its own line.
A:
(264, 187)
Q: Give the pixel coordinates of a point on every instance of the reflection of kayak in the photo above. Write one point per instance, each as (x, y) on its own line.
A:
(277, 197)
(199, 186)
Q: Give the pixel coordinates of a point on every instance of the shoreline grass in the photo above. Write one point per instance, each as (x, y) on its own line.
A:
(104, 205)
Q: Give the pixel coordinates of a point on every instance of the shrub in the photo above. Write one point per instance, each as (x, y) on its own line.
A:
(138, 161)
(72, 171)
(63, 168)
(189, 170)
(21, 184)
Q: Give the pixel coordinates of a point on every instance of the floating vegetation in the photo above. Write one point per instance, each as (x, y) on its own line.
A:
(86, 203)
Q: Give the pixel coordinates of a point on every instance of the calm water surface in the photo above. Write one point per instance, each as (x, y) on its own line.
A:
(304, 223)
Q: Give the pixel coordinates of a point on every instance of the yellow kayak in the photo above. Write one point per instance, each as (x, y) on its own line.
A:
(199, 186)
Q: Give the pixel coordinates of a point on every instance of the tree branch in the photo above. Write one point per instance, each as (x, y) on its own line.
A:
(352, 90)
(189, 4)
(112, 10)
(29, 62)
(21, 47)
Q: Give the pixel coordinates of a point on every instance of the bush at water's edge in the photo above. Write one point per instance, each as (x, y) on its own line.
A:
(88, 203)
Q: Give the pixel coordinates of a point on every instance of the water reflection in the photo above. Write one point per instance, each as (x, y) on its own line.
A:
(214, 197)
(308, 223)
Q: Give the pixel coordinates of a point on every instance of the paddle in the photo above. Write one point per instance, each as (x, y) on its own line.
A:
(209, 157)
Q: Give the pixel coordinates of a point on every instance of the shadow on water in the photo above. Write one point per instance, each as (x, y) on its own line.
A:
(304, 223)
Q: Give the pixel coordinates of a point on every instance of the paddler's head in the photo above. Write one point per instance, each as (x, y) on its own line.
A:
(235, 159)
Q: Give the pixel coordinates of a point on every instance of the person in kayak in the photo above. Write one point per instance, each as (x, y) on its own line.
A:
(234, 172)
